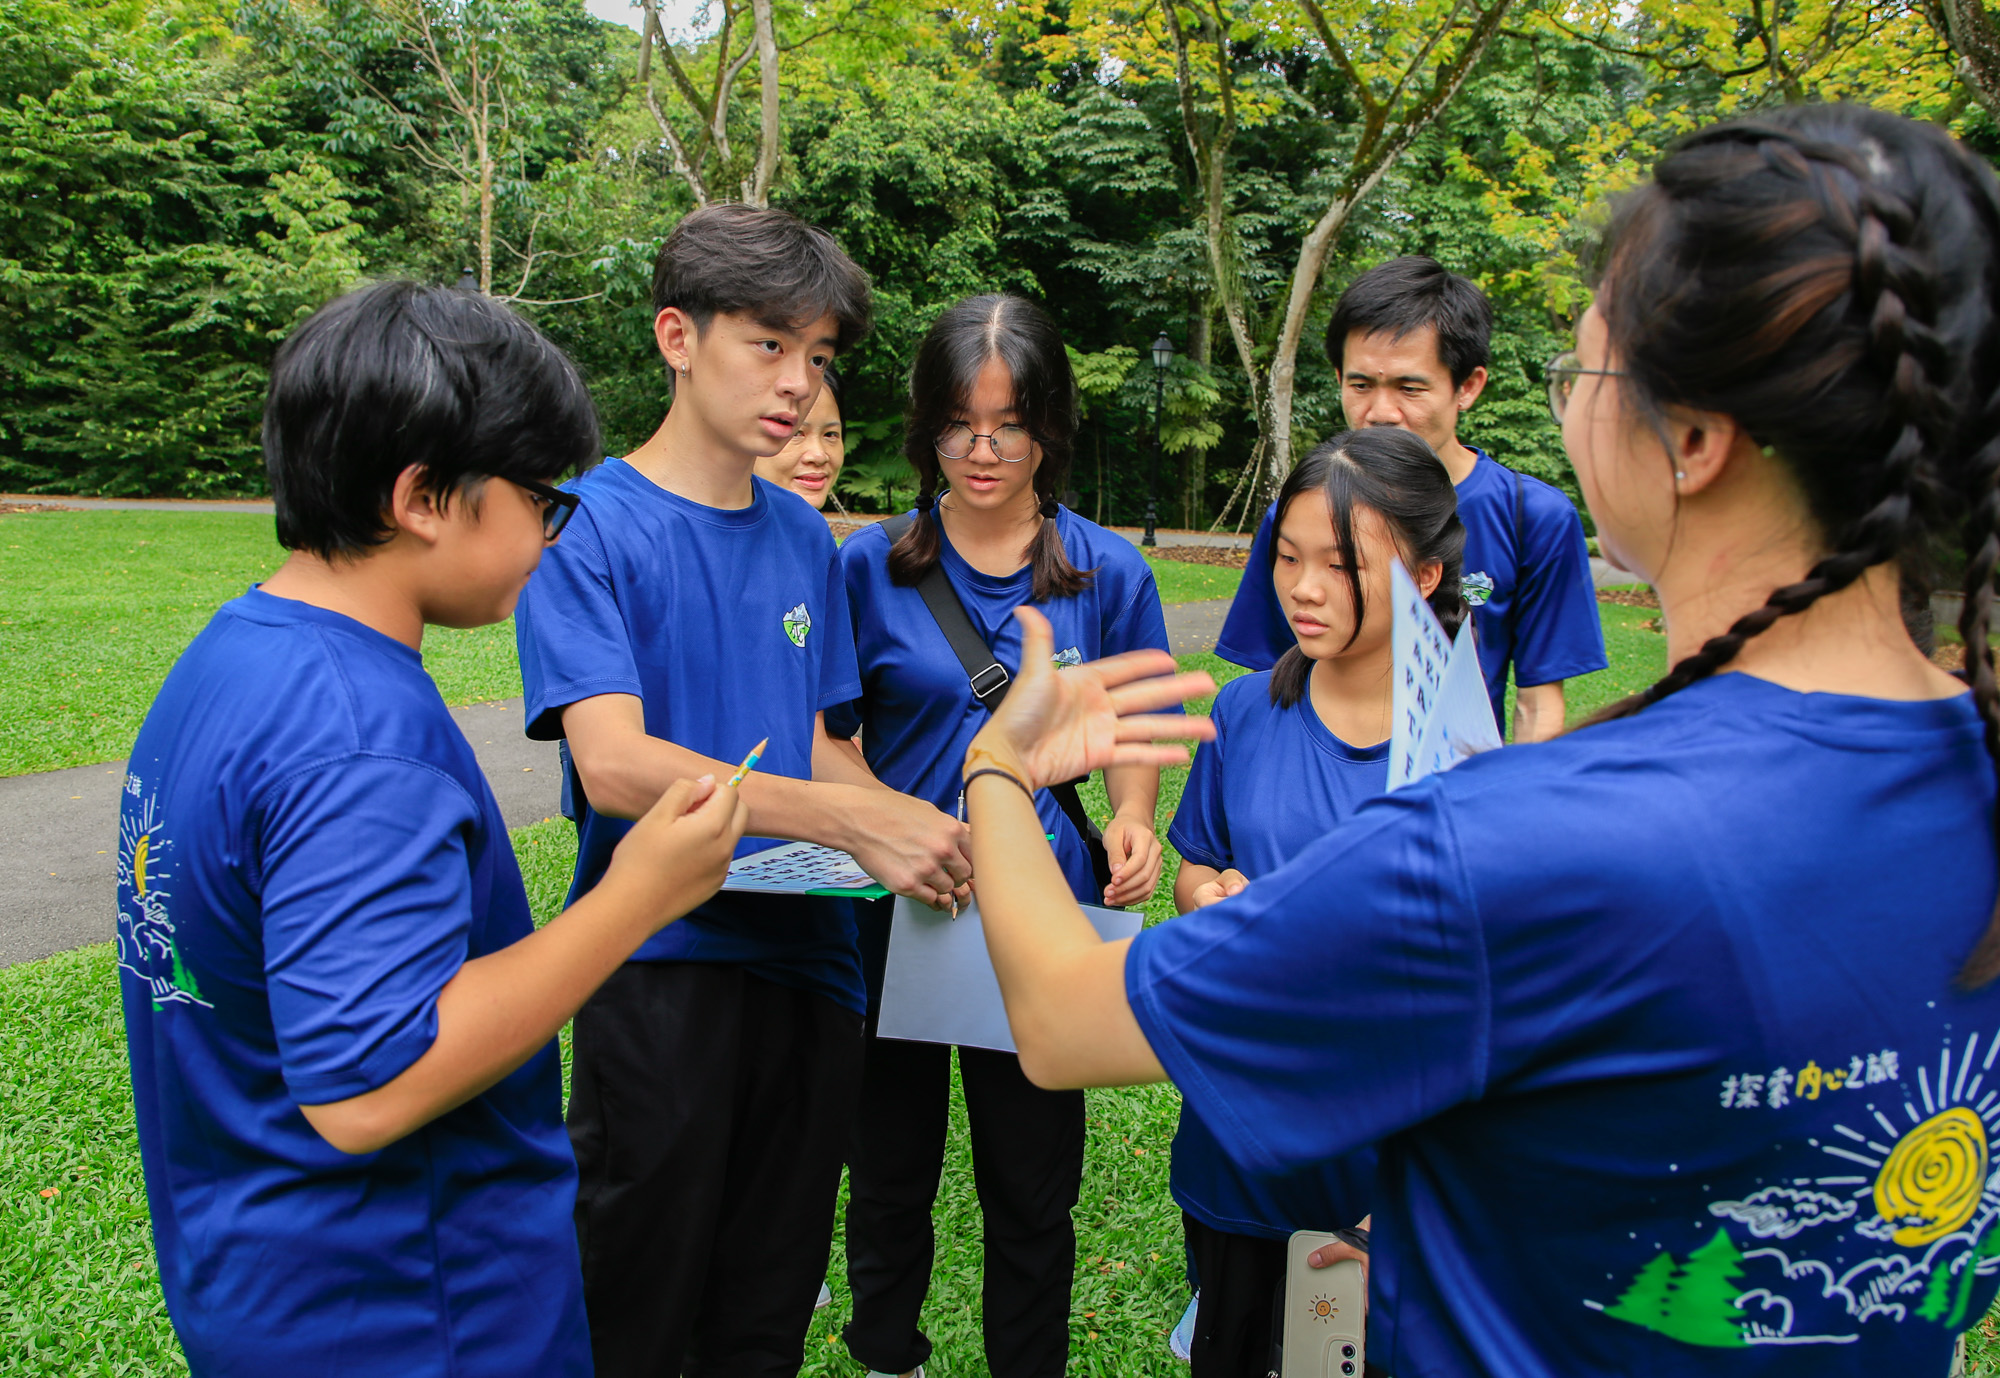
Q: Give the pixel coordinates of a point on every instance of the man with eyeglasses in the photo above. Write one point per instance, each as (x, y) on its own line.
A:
(1409, 341)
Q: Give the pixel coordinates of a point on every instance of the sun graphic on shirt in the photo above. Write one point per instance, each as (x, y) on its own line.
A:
(1930, 1166)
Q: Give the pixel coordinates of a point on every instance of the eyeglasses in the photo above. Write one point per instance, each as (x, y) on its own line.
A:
(1563, 371)
(1010, 444)
(557, 506)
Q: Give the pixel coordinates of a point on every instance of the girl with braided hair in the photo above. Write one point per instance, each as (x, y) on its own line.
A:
(1677, 1034)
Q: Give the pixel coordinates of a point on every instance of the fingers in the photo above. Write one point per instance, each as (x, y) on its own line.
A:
(1326, 1255)
(1173, 727)
(1159, 691)
(680, 797)
(1144, 754)
(1128, 666)
(1038, 638)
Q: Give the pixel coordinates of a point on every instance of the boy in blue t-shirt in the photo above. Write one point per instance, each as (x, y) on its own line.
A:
(693, 611)
(341, 1019)
(1409, 341)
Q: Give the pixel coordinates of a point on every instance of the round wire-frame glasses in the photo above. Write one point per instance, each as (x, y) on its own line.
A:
(1010, 444)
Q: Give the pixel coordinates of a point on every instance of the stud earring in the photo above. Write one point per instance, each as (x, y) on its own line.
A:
(684, 368)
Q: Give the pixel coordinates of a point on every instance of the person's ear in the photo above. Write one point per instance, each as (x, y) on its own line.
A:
(676, 334)
(414, 509)
(1429, 575)
(1468, 391)
(1700, 444)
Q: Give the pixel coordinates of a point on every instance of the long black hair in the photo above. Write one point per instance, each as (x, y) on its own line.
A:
(1020, 335)
(1400, 478)
(1825, 275)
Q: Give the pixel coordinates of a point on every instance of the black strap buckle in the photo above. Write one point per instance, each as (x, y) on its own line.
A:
(984, 686)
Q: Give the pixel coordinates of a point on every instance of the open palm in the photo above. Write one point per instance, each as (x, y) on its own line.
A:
(1063, 724)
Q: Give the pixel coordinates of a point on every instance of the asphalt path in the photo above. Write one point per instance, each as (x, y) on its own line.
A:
(59, 829)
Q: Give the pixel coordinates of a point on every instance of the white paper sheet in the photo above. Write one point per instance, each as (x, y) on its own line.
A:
(939, 986)
(1440, 712)
(797, 868)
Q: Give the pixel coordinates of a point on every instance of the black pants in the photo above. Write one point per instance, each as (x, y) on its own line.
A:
(1027, 1161)
(710, 1111)
(1238, 1326)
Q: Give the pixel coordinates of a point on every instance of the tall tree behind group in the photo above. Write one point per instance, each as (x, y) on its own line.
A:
(1372, 77)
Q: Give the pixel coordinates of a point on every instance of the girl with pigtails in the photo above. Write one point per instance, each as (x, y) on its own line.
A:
(1298, 748)
(1678, 1034)
(991, 422)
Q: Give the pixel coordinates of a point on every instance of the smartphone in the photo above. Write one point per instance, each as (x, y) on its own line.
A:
(1326, 1312)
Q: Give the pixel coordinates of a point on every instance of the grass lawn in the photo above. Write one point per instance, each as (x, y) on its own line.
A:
(96, 606)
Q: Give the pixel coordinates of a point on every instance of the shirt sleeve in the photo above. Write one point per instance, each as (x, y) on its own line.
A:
(1336, 1001)
(1140, 622)
(367, 913)
(1256, 632)
(839, 669)
(1557, 634)
(1200, 831)
(572, 635)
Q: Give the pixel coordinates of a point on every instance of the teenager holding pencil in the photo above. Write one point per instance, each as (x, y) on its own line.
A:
(1677, 1032)
(992, 416)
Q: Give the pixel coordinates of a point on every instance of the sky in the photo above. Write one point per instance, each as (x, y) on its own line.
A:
(679, 16)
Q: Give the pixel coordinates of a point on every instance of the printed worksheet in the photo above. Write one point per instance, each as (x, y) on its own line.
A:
(939, 986)
(1440, 712)
(801, 868)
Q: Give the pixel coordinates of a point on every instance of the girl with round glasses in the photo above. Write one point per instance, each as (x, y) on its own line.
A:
(991, 421)
(1678, 1033)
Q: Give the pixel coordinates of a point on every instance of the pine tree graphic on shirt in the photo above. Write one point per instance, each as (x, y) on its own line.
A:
(1693, 1302)
(797, 623)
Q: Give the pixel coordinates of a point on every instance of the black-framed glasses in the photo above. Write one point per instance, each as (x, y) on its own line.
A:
(1563, 371)
(1011, 444)
(557, 506)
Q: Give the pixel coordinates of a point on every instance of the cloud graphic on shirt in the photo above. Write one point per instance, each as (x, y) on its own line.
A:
(1781, 1212)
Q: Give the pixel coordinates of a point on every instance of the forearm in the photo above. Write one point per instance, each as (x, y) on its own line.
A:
(1192, 874)
(1064, 987)
(1538, 712)
(837, 760)
(623, 776)
(1134, 792)
(496, 1013)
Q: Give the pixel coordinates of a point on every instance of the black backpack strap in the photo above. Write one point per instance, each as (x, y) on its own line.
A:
(988, 680)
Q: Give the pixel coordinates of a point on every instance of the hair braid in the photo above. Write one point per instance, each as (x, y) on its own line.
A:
(1895, 291)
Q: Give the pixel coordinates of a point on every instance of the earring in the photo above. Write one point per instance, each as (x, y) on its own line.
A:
(1680, 476)
(684, 368)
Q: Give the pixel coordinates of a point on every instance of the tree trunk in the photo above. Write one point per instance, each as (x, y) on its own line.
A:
(485, 214)
(1968, 29)
(769, 132)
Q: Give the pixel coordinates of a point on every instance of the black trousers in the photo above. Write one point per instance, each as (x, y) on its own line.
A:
(1027, 1161)
(1238, 1326)
(710, 1110)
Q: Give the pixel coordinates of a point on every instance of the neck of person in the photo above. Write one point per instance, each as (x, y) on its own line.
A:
(686, 457)
(993, 540)
(1353, 696)
(370, 588)
(1459, 460)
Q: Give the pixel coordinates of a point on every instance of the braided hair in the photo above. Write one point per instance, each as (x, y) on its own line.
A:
(1022, 336)
(1825, 275)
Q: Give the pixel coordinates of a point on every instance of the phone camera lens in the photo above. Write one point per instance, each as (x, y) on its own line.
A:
(1347, 1351)
(1347, 1365)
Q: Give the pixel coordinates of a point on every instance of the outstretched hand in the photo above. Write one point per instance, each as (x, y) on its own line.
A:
(1057, 726)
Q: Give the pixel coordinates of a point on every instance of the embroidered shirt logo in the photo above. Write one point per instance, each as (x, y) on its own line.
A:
(797, 623)
(1477, 587)
(1066, 659)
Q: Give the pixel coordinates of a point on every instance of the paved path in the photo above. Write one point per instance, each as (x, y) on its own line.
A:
(58, 829)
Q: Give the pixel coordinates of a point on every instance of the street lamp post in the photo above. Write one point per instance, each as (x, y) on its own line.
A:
(1163, 355)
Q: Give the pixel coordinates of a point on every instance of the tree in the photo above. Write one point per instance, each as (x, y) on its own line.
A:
(1701, 1307)
(1373, 78)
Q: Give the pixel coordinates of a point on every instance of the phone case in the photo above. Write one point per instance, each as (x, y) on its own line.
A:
(1325, 1312)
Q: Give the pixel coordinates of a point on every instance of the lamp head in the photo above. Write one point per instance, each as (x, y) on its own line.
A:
(1163, 352)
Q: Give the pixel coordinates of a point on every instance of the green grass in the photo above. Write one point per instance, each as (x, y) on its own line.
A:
(1185, 583)
(95, 607)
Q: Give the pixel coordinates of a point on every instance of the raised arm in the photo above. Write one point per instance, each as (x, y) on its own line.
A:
(1064, 987)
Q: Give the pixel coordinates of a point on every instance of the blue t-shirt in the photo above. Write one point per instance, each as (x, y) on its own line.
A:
(1533, 603)
(307, 854)
(916, 713)
(729, 626)
(1272, 782)
(1656, 1027)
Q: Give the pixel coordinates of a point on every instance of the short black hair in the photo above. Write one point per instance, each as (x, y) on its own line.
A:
(397, 374)
(766, 264)
(1407, 294)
